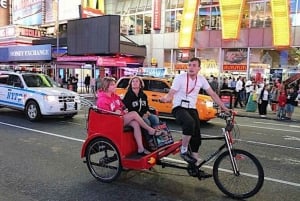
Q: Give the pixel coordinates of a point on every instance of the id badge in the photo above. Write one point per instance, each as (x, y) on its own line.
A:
(185, 103)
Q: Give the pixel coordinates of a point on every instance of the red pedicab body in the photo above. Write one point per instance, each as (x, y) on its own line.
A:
(110, 126)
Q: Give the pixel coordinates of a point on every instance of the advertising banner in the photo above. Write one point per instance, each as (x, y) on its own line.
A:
(27, 12)
(276, 74)
(235, 59)
(29, 53)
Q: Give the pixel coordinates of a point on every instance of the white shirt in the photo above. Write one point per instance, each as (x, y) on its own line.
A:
(238, 86)
(190, 92)
(249, 86)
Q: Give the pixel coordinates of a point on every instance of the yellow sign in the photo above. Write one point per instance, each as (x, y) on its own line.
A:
(231, 16)
(187, 27)
(95, 4)
(281, 23)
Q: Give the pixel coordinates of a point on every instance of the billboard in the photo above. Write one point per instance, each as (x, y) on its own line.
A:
(96, 35)
(27, 12)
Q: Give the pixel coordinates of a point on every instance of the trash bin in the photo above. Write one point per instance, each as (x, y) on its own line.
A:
(227, 96)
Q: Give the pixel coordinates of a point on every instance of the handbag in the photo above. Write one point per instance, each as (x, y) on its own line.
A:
(254, 97)
(162, 140)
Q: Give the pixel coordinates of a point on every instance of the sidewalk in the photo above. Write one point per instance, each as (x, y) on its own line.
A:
(270, 115)
(240, 112)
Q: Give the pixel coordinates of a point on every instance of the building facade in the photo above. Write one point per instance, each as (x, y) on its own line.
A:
(158, 24)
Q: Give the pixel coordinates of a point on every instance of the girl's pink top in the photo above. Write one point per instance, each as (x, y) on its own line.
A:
(110, 103)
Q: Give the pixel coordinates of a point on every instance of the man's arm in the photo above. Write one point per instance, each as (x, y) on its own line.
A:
(217, 99)
(168, 97)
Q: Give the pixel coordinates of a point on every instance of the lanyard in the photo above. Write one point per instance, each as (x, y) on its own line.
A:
(187, 85)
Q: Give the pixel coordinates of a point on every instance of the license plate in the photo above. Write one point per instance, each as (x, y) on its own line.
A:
(70, 106)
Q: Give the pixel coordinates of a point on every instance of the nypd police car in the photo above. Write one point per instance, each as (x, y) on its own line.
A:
(37, 95)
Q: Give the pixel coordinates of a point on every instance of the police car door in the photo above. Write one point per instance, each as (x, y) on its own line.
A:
(14, 92)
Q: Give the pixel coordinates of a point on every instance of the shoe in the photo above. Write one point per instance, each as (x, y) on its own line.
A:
(144, 153)
(159, 132)
(188, 158)
(203, 175)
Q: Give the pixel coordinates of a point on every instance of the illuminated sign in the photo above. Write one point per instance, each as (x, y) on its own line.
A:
(30, 32)
(281, 23)
(231, 15)
(3, 3)
(7, 32)
(234, 67)
(157, 15)
(187, 27)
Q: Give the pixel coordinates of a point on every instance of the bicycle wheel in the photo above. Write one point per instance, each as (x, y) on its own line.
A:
(247, 182)
(103, 160)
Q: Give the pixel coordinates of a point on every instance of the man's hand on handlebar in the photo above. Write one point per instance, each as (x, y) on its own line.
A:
(165, 99)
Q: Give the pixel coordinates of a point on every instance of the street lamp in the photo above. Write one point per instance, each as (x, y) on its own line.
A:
(57, 36)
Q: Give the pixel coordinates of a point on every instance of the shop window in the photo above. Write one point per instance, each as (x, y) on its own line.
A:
(209, 18)
(295, 12)
(173, 21)
(260, 14)
(147, 26)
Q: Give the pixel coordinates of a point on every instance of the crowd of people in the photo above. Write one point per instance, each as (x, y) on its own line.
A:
(276, 98)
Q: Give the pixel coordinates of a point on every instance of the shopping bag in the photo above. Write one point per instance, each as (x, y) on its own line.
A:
(162, 140)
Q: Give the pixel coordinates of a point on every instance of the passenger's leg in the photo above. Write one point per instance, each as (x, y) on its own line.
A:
(154, 120)
(137, 135)
(130, 116)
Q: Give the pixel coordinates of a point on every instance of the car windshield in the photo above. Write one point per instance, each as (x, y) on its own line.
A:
(38, 80)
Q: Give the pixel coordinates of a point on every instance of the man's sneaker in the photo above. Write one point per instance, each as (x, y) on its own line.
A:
(203, 175)
(188, 158)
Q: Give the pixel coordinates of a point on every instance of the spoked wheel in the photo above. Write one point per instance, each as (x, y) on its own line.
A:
(246, 182)
(103, 160)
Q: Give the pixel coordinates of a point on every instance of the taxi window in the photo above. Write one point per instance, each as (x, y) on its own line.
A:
(158, 86)
(123, 83)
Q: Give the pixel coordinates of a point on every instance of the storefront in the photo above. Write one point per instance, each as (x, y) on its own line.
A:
(25, 58)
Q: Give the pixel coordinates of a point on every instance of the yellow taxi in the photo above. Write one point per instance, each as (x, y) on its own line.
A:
(158, 87)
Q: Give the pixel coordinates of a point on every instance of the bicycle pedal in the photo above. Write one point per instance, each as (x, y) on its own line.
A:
(203, 175)
(192, 170)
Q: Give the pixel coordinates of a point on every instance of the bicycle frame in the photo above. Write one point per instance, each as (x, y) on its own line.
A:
(228, 143)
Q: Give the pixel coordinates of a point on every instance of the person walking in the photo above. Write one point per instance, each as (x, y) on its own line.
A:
(263, 100)
(238, 92)
(281, 105)
(93, 85)
(87, 82)
(184, 93)
(291, 102)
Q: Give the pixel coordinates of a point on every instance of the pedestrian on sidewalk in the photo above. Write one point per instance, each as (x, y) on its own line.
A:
(251, 103)
(263, 100)
(291, 102)
(281, 105)
(87, 83)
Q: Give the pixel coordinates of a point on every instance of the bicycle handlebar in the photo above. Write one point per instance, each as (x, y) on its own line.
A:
(226, 115)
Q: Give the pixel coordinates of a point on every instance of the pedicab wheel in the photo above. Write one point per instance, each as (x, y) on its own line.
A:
(246, 182)
(103, 160)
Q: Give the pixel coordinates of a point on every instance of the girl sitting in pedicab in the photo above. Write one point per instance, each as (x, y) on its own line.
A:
(108, 100)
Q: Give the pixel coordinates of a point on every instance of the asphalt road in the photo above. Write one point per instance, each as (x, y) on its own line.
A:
(41, 161)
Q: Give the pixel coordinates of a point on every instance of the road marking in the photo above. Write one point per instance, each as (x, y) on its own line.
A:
(292, 126)
(179, 161)
(291, 138)
(248, 141)
(42, 132)
(277, 129)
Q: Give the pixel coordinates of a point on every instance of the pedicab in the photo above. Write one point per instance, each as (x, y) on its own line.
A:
(110, 148)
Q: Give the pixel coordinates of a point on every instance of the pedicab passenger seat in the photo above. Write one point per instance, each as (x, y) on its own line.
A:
(104, 115)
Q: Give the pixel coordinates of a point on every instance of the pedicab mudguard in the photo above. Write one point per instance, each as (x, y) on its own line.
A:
(137, 162)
